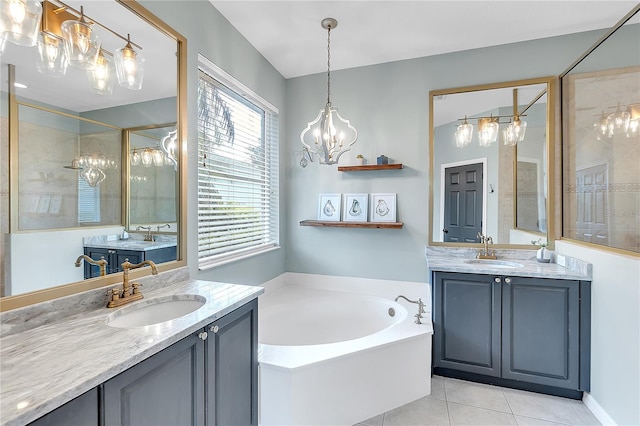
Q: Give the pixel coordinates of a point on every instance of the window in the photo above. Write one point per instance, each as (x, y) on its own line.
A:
(88, 202)
(237, 171)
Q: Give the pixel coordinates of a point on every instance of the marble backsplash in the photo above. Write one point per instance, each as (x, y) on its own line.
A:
(32, 316)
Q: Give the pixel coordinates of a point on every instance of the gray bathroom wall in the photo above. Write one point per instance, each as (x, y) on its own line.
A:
(211, 35)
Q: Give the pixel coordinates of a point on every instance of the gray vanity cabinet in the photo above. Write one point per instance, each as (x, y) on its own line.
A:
(540, 331)
(115, 258)
(166, 389)
(531, 333)
(232, 368)
(467, 323)
(81, 411)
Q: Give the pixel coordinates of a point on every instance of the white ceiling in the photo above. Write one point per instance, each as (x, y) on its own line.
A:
(289, 35)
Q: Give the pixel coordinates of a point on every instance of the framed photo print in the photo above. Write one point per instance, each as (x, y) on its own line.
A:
(383, 208)
(355, 207)
(329, 207)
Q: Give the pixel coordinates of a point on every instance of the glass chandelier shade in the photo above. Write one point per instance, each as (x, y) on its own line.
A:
(329, 135)
(169, 147)
(464, 134)
(146, 158)
(135, 158)
(129, 67)
(101, 77)
(81, 42)
(619, 120)
(514, 132)
(487, 131)
(20, 21)
(52, 58)
(93, 176)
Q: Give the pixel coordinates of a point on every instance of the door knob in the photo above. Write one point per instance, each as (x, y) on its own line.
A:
(497, 279)
(214, 328)
(203, 335)
(507, 280)
(446, 231)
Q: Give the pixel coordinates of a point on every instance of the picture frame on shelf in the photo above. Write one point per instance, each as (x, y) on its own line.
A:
(383, 208)
(329, 207)
(355, 208)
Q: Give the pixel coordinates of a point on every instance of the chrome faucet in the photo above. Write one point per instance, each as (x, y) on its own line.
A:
(420, 304)
(129, 291)
(485, 253)
(148, 236)
(101, 263)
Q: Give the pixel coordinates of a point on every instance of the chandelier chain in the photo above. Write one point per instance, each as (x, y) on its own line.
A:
(329, 65)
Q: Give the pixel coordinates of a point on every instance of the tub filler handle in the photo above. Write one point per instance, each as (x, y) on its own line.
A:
(420, 304)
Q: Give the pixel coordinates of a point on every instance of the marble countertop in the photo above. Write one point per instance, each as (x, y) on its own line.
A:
(131, 244)
(459, 260)
(44, 367)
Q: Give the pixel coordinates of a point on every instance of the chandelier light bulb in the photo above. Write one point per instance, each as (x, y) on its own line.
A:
(487, 131)
(20, 21)
(51, 59)
(81, 43)
(129, 66)
(101, 77)
(464, 134)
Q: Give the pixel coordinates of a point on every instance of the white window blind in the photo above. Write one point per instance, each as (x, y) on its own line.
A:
(237, 174)
(88, 202)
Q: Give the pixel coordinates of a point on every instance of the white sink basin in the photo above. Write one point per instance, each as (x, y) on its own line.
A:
(154, 311)
(495, 263)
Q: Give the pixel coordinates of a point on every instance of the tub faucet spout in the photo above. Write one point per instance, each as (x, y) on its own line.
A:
(420, 304)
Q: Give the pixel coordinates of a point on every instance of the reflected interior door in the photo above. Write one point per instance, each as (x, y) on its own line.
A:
(463, 203)
(592, 222)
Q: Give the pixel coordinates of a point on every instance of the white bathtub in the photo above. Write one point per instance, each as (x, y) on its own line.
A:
(331, 357)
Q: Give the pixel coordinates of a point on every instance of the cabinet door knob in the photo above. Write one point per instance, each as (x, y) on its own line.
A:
(507, 280)
(214, 328)
(497, 279)
(203, 335)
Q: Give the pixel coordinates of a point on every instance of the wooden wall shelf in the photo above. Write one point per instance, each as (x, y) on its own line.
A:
(370, 167)
(380, 225)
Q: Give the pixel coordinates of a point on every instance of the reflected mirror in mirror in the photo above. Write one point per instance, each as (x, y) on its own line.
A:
(601, 144)
(152, 175)
(489, 171)
(64, 128)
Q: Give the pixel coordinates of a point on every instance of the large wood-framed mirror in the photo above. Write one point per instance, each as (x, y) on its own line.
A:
(486, 184)
(50, 206)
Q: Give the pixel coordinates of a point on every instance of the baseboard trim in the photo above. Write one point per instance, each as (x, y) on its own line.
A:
(595, 408)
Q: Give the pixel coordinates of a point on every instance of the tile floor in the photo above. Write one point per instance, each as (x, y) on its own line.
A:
(458, 402)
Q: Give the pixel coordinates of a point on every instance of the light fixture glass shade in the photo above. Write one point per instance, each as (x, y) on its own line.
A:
(508, 137)
(516, 130)
(619, 120)
(487, 131)
(464, 134)
(146, 158)
(135, 158)
(52, 58)
(130, 67)
(157, 157)
(603, 130)
(634, 127)
(101, 77)
(20, 21)
(81, 43)
(329, 135)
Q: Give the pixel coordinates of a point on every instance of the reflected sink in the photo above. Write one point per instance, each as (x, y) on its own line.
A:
(495, 263)
(154, 311)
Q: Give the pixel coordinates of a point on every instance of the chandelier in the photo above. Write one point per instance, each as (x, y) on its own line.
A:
(329, 135)
(625, 120)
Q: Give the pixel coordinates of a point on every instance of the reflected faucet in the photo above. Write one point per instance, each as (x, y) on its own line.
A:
(148, 236)
(101, 263)
(159, 227)
(129, 291)
(420, 304)
(485, 253)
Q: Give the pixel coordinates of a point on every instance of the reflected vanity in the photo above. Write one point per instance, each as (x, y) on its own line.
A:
(67, 169)
(485, 184)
